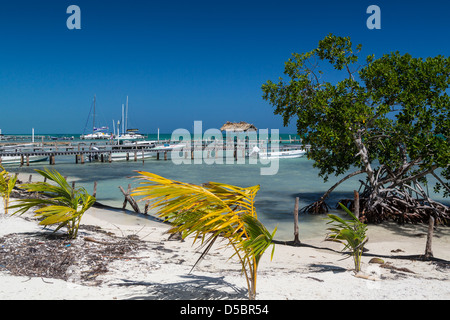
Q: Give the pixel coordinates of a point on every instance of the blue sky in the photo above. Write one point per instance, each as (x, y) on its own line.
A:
(181, 61)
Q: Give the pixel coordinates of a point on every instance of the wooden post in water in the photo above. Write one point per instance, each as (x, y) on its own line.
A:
(95, 189)
(296, 238)
(130, 200)
(28, 160)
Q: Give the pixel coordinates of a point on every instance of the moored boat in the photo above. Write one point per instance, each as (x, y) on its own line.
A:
(7, 160)
(283, 153)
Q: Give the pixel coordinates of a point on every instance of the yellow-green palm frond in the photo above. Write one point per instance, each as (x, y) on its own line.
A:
(212, 207)
(7, 183)
(209, 211)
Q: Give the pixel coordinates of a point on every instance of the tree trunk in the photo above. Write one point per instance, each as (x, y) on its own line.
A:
(428, 251)
(296, 239)
(356, 203)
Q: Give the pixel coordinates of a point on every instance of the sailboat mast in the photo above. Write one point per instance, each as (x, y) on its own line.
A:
(126, 117)
(93, 121)
(122, 121)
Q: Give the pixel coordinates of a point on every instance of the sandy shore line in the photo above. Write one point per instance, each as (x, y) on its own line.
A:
(317, 270)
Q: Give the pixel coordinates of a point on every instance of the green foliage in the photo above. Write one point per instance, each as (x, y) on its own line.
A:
(352, 233)
(59, 204)
(396, 105)
(7, 183)
(209, 211)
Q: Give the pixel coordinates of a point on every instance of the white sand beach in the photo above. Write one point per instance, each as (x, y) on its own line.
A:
(317, 270)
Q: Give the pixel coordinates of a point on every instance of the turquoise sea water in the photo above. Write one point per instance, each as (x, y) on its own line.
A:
(274, 202)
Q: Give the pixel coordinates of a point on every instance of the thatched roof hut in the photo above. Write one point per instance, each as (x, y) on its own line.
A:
(238, 126)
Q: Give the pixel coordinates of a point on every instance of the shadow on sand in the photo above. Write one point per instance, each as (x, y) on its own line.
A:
(190, 287)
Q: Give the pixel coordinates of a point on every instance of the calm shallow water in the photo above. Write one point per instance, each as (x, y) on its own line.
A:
(274, 202)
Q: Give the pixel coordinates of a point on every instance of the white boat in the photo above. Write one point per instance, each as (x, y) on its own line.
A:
(130, 135)
(95, 136)
(6, 160)
(287, 153)
(167, 146)
(122, 156)
(131, 148)
(97, 132)
(127, 134)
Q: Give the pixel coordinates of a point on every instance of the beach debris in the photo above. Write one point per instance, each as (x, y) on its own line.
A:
(365, 276)
(376, 260)
(50, 255)
(316, 279)
(96, 241)
(388, 265)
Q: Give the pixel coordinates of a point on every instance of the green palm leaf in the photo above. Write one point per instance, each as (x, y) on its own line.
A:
(351, 233)
(209, 211)
(59, 203)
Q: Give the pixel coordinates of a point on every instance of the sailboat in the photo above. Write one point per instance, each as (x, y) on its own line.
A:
(97, 132)
(127, 134)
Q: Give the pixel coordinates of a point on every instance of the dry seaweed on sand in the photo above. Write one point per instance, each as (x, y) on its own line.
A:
(50, 255)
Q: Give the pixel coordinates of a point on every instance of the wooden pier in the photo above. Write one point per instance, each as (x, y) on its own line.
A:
(104, 152)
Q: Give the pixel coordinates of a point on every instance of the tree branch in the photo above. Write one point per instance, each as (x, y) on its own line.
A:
(438, 179)
(339, 182)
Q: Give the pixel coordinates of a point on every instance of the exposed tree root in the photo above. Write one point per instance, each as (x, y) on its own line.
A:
(402, 202)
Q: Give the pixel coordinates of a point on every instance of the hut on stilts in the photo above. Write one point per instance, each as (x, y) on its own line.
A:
(238, 127)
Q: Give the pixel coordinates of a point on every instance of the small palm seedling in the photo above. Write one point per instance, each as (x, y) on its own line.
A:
(352, 233)
(7, 183)
(208, 212)
(59, 204)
